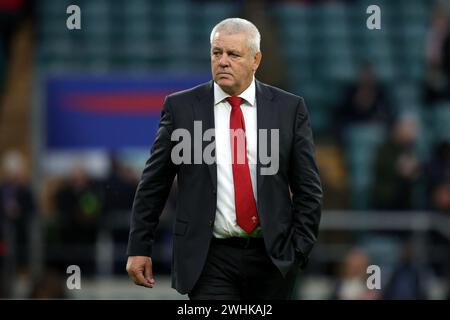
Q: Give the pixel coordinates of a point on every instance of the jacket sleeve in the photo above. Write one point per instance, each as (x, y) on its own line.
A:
(153, 188)
(305, 186)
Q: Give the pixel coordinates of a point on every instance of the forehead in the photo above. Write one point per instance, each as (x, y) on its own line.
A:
(229, 41)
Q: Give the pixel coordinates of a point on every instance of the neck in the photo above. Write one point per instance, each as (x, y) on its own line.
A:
(237, 91)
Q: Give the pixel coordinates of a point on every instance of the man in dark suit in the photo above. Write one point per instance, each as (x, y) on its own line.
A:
(245, 222)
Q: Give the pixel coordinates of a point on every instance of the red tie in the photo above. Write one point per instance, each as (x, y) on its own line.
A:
(246, 212)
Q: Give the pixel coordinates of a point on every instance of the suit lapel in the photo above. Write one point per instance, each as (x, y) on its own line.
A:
(204, 112)
(265, 117)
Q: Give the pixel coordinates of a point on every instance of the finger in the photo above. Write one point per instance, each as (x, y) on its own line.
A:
(138, 278)
(148, 273)
(142, 281)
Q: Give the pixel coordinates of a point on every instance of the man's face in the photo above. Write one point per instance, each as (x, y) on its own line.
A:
(232, 62)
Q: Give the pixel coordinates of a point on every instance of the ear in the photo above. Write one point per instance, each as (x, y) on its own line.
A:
(257, 60)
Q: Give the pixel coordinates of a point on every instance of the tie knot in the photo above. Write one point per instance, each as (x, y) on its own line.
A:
(235, 102)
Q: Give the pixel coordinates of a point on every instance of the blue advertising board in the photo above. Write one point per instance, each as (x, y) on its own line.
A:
(108, 112)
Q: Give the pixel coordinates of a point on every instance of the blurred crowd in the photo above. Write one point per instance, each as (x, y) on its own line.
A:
(74, 212)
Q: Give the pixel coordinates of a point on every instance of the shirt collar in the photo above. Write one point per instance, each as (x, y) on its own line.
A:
(248, 95)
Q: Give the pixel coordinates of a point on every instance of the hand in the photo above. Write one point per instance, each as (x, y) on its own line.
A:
(139, 269)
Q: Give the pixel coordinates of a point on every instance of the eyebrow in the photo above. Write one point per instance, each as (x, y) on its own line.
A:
(234, 51)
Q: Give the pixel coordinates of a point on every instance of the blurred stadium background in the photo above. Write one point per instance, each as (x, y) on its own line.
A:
(79, 108)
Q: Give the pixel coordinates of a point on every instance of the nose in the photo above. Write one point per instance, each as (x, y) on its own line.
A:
(223, 61)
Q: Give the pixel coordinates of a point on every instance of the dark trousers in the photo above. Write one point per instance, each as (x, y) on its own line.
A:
(240, 269)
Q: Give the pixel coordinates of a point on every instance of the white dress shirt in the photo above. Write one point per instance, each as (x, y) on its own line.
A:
(225, 223)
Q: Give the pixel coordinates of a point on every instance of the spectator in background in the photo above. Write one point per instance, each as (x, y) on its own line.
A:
(365, 102)
(12, 14)
(16, 206)
(51, 285)
(120, 186)
(441, 198)
(79, 202)
(408, 280)
(273, 68)
(397, 169)
(438, 173)
(437, 78)
(352, 281)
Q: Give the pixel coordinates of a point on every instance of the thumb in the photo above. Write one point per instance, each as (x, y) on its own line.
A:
(148, 272)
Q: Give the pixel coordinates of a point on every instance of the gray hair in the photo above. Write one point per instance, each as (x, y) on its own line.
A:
(238, 25)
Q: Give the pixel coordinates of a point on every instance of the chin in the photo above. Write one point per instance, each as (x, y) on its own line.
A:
(225, 82)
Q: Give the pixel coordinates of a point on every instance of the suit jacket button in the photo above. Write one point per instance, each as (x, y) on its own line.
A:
(210, 223)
